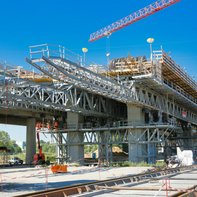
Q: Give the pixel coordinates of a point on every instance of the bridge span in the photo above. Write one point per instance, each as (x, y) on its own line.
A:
(144, 106)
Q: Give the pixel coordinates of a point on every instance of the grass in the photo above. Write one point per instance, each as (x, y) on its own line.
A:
(139, 164)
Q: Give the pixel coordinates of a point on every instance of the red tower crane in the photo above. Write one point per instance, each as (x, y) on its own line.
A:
(138, 15)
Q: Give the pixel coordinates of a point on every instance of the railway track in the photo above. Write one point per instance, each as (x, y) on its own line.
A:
(119, 184)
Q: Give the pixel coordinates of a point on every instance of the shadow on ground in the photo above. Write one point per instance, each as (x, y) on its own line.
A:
(7, 187)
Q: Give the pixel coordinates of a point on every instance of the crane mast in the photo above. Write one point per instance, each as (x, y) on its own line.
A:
(138, 15)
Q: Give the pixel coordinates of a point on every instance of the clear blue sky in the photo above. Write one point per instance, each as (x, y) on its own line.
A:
(17, 133)
(69, 23)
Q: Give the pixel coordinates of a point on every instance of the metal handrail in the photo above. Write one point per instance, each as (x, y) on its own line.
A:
(119, 124)
(50, 50)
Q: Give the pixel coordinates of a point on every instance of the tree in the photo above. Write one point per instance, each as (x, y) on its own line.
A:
(7, 142)
(90, 148)
(4, 138)
(48, 148)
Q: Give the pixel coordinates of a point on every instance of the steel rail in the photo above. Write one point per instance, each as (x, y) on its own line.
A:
(190, 192)
(94, 186)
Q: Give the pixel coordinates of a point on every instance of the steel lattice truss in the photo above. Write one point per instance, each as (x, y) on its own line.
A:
(66, 71)
(136, 16)
(29, 96)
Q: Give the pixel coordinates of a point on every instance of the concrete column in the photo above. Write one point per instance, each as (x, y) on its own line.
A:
(135, 148)
(187, 137)
(105, 149)
(60, 150)
(135, 116)
(30, 140)
(75, 139)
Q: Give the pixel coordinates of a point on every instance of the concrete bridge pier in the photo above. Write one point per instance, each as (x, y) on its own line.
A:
(30, 140)
(135, 148)
(75, 138)
(187, 135)
(105, 148)
(137, 151)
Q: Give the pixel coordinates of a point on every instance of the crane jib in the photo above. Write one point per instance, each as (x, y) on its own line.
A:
(128, 20)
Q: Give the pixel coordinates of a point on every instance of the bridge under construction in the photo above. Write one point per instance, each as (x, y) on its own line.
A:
(146, 106)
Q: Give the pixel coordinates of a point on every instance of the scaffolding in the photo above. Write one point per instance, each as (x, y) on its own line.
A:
(121, 132)
(167, 71)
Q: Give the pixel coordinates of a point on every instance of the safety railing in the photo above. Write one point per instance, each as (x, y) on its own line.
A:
(114, 125)
(164, 57)
(53, 51)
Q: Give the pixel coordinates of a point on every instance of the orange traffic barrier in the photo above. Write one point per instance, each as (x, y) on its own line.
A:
(59, 168)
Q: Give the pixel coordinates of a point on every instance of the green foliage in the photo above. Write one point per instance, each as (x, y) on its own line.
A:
(160, 163)
(48, 148)
(51, 158)
(128, 164)
(7, 142)
(90, 148)
(20, 155)
(4, 138)
(133, 164)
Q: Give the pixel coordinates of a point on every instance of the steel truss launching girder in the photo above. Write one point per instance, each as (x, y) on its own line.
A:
(29, 96)
(83, 78)
(164, 104)
(64, 70)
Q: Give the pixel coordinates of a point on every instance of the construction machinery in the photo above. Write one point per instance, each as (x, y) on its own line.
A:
(39, 158)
